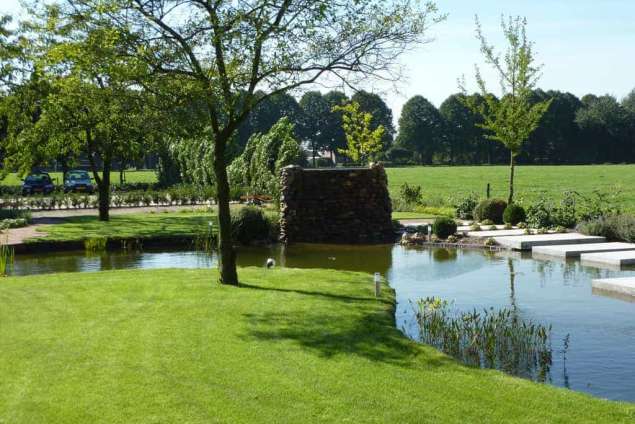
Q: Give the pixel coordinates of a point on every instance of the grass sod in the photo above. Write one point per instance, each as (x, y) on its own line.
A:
(443, 184)
(289, 346)
(140, 176)
(141, 225)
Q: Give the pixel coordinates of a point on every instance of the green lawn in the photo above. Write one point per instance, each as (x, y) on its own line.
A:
(142, 176)
(141, 225)
(441, 184)
(171, 346)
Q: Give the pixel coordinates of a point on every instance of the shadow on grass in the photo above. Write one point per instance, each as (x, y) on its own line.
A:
(352, 326)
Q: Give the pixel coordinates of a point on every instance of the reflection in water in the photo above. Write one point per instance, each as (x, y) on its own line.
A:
(601, 330)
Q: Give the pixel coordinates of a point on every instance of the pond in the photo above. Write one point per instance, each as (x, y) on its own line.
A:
(600, 358)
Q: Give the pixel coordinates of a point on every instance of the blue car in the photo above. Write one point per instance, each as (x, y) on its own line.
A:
(39, 183)
(78, 181)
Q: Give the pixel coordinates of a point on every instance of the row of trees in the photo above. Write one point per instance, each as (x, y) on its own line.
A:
(593, 129)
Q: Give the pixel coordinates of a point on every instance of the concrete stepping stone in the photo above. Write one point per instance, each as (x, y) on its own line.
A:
(575, 250)
(622, 286)
(529, 241)
(494, 233)
(610, 260)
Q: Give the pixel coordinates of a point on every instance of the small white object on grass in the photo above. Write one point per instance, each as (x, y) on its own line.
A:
(270, 263)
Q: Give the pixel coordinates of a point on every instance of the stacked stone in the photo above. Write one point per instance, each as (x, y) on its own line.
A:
(335, 205)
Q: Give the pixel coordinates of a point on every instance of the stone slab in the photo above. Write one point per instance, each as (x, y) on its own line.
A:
(611, 259)
(492, 233)
(623, 286)
(463, 228)
(529, 241)
(575, 250)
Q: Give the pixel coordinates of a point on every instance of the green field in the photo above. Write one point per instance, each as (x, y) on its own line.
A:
(289, 346)
(441, 185)
(144, 176)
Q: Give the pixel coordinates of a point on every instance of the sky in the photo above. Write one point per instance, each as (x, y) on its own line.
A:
(586, 46)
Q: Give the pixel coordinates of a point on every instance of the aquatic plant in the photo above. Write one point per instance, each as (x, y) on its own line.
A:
(206, 240)
(7, 256)
(96, 244)
(487, 339)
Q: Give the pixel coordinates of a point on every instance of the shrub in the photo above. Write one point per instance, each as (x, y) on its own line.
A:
(514, 214)
(422, 229)
(539, 214)
(508, 226)
(491, 209)
(487, 222)
(613, 227)
(444, 227)
(475, 227)
(410, 194)
(489, 242)
(250, 224)
(522, 225)
(465, 207)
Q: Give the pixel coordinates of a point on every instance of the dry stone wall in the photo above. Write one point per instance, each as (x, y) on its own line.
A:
(335, 205)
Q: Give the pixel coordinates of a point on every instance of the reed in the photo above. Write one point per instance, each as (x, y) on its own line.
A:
(7, 256)
(487, 339)
(97, 244)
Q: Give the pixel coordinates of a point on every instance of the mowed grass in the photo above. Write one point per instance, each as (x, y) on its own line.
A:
(441, 185)
(141, 176)
(141, 225)
(289, 346)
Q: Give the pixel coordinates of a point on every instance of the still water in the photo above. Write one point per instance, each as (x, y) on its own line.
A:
(601, 356)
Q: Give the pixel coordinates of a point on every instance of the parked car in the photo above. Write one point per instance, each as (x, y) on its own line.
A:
(78, 181)
(37, 183)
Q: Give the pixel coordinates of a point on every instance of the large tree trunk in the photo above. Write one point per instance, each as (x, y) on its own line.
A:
(103, 186)
(227, 254)
(510, 199)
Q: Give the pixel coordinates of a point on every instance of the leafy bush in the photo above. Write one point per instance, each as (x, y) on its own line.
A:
(613, 227)
(514, 214)
(539, 213)
(491, 209)
(465, 207)
(250, 224)
(487, 222)
(410, 194)
(443, 227)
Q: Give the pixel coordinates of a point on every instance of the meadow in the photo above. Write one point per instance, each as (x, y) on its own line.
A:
(443, 185)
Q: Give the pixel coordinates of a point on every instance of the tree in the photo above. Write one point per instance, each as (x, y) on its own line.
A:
(465, 141)
(92, 108)
(316, 114)
(381, 113)
(606, 128)
(363, 142)
(421, 129)
(556, 139)
(333, 132)
(228, 50)
(513, 118)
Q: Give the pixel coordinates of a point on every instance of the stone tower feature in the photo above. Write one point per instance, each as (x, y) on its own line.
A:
(335, 205)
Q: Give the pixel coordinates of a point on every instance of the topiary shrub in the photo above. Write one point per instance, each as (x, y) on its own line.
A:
(514, 214)
(491, 209)
(443, 227)
(250, 224)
